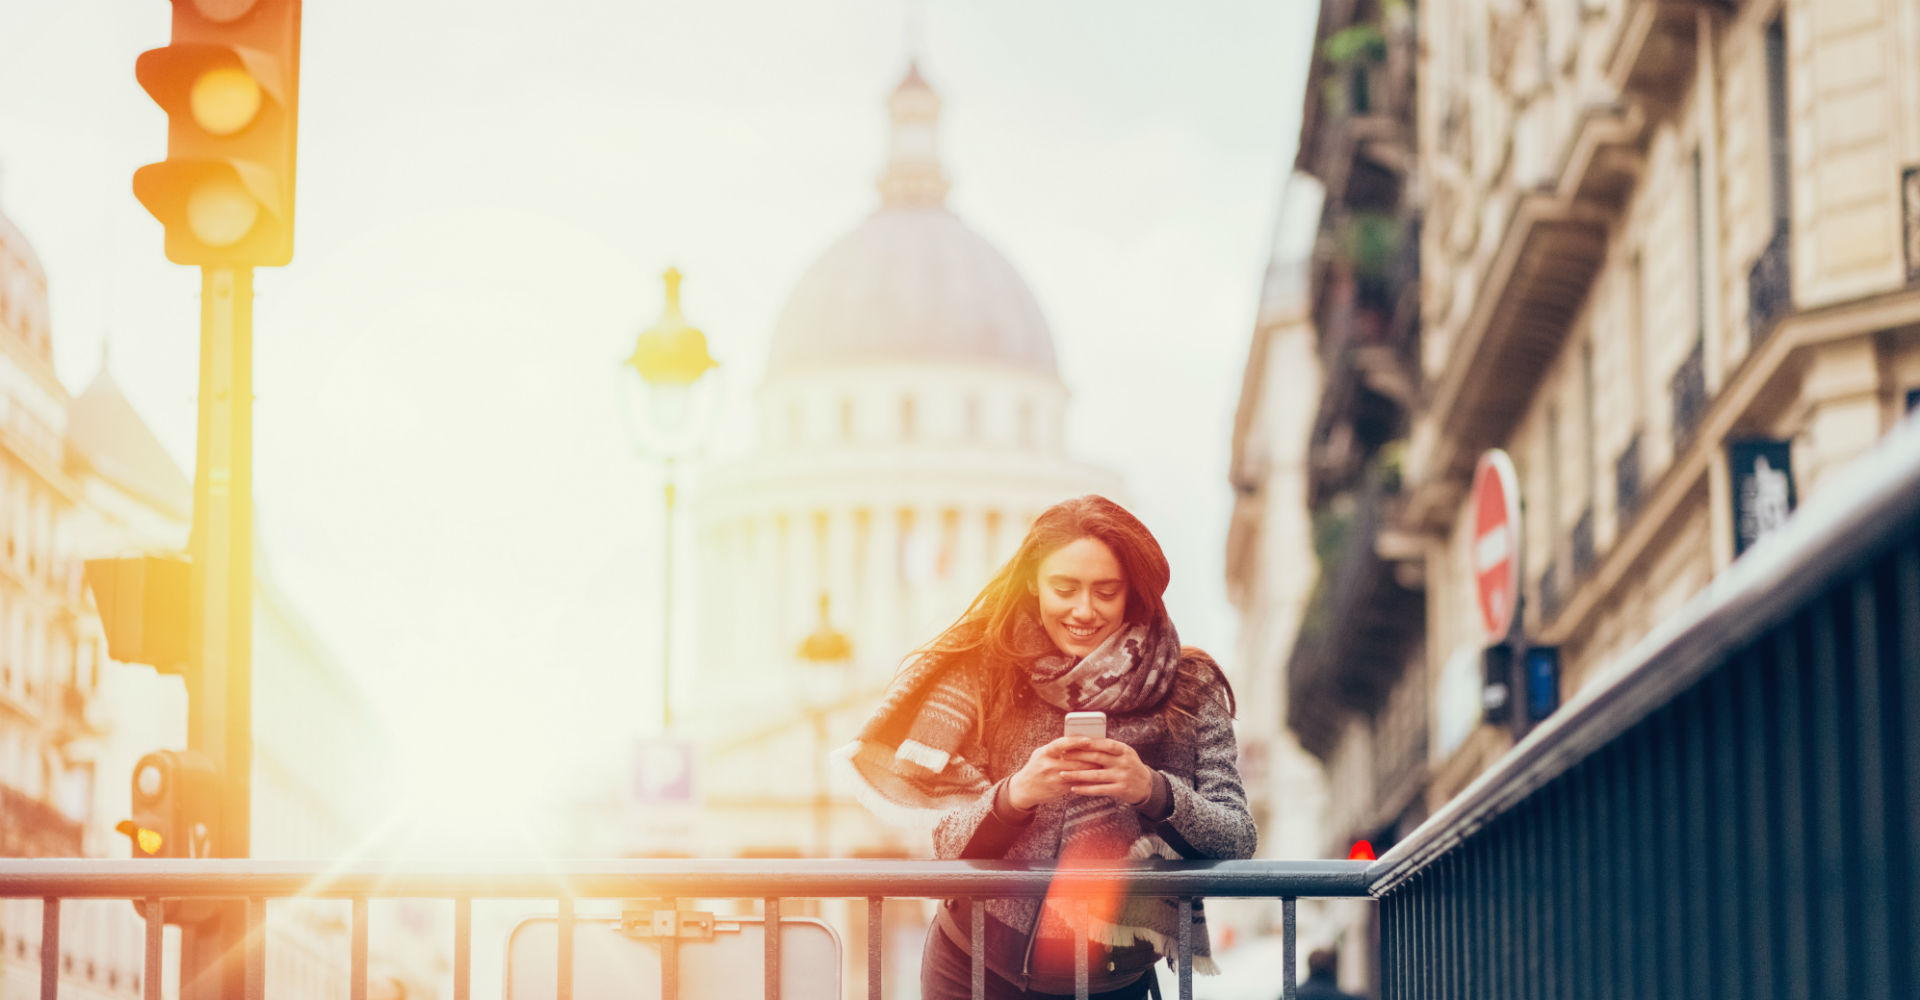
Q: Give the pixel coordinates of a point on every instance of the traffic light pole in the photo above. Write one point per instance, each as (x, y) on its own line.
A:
(220, 704)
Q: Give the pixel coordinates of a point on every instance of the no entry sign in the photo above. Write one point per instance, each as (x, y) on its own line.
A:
(1496, 541)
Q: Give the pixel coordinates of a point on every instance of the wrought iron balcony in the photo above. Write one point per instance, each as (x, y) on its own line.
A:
(1361, 621)
(1626, 483)
(1769, 287)
(1582, 545)
(1688, 392)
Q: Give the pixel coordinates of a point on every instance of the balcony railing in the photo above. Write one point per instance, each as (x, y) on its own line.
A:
(1733, 810)
(1769, 287)
(1689, 397)
(162, 884)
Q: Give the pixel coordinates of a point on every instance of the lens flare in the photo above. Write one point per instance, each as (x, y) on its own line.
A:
(220, 212)
(225, 100)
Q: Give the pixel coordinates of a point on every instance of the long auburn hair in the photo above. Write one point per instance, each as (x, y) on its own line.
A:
(989, 629)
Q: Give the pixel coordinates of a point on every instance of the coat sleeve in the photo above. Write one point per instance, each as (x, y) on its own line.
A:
(1210, 818)
(982, 828)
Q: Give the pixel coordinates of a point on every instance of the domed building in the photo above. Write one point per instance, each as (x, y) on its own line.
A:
(910, 425)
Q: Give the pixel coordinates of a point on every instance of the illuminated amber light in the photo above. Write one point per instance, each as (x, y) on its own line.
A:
(225, 100)
(220, 212)
(149, 840)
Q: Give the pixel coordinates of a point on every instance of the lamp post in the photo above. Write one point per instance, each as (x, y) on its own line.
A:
(670, 402)
(826, 654)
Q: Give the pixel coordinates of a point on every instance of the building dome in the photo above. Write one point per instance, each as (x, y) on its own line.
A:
(912, 282)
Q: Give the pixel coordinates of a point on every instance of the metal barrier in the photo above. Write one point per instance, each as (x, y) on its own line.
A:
(159, 883)
(1734, 812)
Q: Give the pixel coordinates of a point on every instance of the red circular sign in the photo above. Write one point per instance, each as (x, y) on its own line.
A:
(1495, 553)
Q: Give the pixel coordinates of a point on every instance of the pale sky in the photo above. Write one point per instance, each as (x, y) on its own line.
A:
(488, 192)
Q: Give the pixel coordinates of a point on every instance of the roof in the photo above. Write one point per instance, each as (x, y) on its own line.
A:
(105, 430)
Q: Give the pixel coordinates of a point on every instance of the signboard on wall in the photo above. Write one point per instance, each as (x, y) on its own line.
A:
(1495, 554)
(1763, 489)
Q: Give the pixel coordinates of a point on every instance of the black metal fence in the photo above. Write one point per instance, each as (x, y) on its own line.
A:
(1734, 813)
(166, 883)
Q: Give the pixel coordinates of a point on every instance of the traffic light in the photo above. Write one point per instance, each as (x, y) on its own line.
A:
(230, 86)
(176, 803)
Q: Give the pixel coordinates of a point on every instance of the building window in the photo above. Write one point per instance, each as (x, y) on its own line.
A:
(1779, 158)
(1026, 429)
(846, 419)
(907, 419)
(971, 417)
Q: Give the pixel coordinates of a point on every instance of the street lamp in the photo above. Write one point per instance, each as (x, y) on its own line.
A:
(670, 404)
(827, 653)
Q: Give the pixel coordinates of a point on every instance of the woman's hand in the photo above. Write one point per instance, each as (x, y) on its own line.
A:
(1111, 768)
(1043, 777)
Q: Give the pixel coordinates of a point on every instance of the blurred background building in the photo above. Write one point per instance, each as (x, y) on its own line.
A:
(911, 423)
(85, 477)
(1664, 255)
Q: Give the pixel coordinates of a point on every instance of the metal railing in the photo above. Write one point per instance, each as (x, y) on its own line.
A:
(1732, 811)
(163, 883)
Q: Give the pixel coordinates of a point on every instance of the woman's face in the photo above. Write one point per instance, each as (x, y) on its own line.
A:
(1083, 595)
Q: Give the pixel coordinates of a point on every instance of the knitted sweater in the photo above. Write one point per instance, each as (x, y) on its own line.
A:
(1200, 807)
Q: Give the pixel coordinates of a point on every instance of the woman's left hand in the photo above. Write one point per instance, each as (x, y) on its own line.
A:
(1117, 772)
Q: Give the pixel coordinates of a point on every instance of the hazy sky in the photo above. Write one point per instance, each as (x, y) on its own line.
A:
(488, 192)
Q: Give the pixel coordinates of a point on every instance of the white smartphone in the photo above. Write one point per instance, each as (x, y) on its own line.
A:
(1093, 724)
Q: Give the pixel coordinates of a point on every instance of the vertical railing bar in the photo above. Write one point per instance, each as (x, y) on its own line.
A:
(770, 931)
(670, 951)
(256, 948)
(874, 945)
(1580, 935)
(1792, 947)
(1287, 946)
(1870, 853)
(1186, 942)
(1723, 970)
(1674, 847)
(977, 914)
(462, 947)
(1758, 890)
(1082, 927)
(1705, 802)
(563, 965)
(50, 948)
(156, 926)
(1643, 786)
(1906, 617)
(1830, 945)
(1429, 889)
(357, 976)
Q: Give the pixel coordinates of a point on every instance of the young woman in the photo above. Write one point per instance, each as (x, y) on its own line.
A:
(970, 736)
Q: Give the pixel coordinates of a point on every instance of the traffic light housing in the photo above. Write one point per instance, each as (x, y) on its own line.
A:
(144, 602)
(176, 806)
(230, 86)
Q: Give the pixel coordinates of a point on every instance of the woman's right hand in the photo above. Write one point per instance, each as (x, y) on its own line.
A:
(1043, 777)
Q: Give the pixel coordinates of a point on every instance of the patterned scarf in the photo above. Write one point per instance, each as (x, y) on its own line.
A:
(909, 768)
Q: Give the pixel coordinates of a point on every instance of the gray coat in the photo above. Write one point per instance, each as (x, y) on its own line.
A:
(1207, 819)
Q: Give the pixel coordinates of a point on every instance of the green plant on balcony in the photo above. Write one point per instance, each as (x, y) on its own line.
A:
(1351, 54)
(1367, 241)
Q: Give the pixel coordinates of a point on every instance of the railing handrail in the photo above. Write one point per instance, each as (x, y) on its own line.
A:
(689, 878)
(1843, 524)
